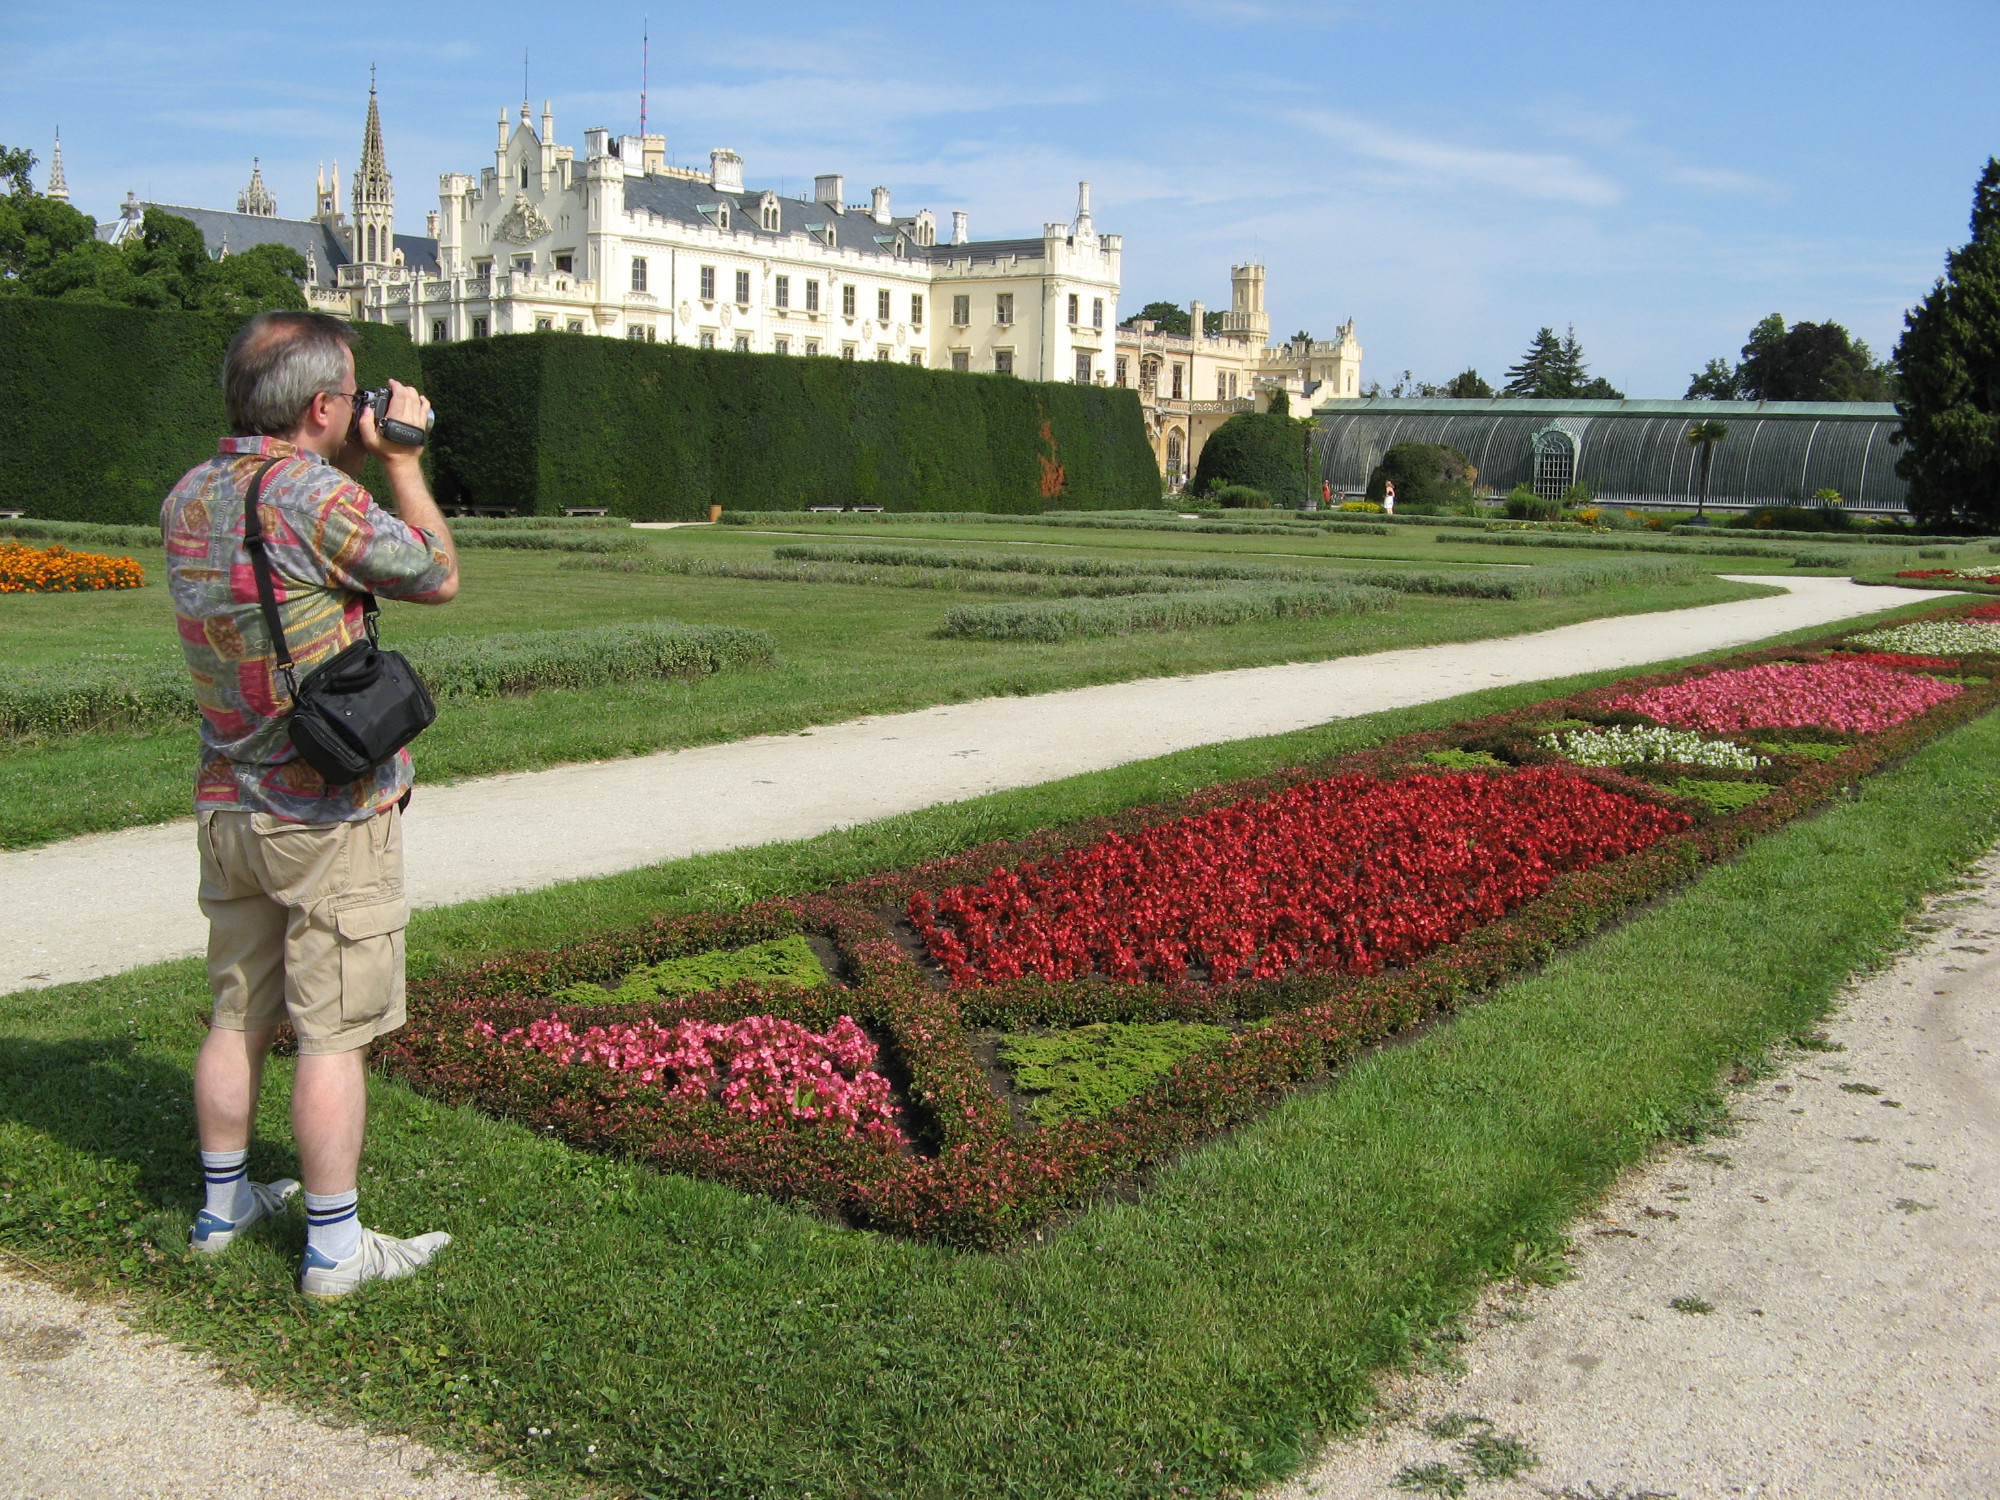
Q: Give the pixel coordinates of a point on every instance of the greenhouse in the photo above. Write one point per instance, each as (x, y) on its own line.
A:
(1633, 452)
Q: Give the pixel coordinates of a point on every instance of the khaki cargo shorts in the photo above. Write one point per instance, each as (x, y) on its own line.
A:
(305, 923)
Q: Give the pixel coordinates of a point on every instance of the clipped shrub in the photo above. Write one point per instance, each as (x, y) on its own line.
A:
(102, 409)
(1429, 478)
(535, 422)
(1053, 621)
(157, 694)
(94, 532)
(1523, 504)
(552, 540)
(1256, 450)
(1793, 518)
(1239, 497)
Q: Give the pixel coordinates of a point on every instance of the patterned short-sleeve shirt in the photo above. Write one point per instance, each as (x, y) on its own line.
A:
(328, 542)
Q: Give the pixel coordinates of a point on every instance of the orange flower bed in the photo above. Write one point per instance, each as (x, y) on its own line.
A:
(57, 570)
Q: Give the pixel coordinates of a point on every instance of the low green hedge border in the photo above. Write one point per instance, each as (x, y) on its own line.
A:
(157, 694)
(81, 533)
(1056, 620)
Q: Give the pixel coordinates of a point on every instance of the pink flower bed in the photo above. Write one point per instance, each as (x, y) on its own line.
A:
(1855, 697)
(760, 1066)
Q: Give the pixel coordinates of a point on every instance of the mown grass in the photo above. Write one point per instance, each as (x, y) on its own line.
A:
(844, 651)
(675, 1338)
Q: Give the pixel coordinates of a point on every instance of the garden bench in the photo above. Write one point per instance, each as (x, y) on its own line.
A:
(823, 510)
(11, 515)
(586, 510)
(866, 510)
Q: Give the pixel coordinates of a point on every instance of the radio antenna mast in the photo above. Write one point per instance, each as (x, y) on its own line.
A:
(645, 68)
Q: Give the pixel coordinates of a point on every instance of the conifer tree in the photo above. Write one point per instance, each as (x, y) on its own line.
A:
(1948, 364)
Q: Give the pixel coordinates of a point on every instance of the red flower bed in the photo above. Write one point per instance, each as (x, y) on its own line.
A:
(1928, 573)
(1851, 696)
(1894, 659)
(1983, 612)
(1347, 874)
(940, 1156)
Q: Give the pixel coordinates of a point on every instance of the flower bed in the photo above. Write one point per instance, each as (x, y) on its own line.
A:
(1623, 746)
(57, 570)
(1936, 637)
(1855, 697)
(1300, 916)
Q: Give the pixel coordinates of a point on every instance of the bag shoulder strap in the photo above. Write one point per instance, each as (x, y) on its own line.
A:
(267, 593)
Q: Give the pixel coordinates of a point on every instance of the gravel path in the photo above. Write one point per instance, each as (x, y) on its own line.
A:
(94, 1411)
(1835, 1258)
(109, 902)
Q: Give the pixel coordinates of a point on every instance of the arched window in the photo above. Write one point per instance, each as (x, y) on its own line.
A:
(524, 173)
(368, 240)
(1175, 451)
(1555, 461)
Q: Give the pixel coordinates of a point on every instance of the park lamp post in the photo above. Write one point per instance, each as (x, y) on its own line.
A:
(1704, 436)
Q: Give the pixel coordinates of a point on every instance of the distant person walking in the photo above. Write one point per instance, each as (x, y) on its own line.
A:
(1389, 497)
(301, 880)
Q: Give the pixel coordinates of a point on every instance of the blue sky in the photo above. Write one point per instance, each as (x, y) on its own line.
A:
(1452, 176)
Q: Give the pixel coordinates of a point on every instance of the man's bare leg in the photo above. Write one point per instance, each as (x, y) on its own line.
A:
(329, 1119)
(228, 1073)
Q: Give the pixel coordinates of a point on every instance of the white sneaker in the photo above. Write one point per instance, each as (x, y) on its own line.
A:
(377, 1258)
(212, 1234)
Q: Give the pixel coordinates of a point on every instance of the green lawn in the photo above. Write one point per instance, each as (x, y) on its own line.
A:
(669, 1337)
(844, 650)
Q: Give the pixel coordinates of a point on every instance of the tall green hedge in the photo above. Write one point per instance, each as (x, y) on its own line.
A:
(103, 408)
(660, 432)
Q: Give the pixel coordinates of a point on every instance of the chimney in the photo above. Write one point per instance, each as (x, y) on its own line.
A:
(503, 128)
(1083, 226)
(596, 143)
(829, 188)
(881, 205)
(960, 235)
(548, 123)
(725, 170)
(431, 224)
(653, 153)
(1196, 312)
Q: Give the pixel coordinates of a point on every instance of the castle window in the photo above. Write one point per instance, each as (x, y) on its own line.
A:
(1003, 361)
(722, 216)
(638, 273)
(916, 310)
(576, 325)
(438, 331)
(523, 264)
(566, 265)
(961, 311)
(847, 351)
(1121, 370)
(545, 325)
(1177, 383)
(781, 345)
(1083, 358)
(1096, 312)
(916, 356)
(781, 293)
(742, 343)
(882, 304)
(708, 283)
(771, 217)
(743, 288)
(812, 346)
(479, 328)
(1074, 301)
(524, 173)
(1221, 386)
(1003, 308)
(961, 360)
(847, 300)
(882, 355)
(812, 296)
(707, 340)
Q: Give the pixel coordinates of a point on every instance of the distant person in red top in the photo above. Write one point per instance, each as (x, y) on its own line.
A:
(1389, 498)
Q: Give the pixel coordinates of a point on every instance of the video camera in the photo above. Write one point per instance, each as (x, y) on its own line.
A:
(394, 431)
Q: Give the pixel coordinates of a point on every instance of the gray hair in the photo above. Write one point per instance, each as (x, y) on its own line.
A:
(276, 364)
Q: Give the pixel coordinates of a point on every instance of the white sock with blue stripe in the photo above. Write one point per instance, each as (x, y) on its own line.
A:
(227, 1176)
(333, 1224)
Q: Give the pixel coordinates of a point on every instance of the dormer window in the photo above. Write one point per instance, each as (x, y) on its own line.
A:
(768, 213)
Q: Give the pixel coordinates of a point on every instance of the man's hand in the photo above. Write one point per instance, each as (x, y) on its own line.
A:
(407, 405)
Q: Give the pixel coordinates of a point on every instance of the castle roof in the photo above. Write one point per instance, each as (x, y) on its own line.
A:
(314, 239)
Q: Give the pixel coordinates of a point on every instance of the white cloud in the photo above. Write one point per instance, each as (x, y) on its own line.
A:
(1417, 161)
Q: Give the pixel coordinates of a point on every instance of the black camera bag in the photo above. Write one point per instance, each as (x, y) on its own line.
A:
(354, 711)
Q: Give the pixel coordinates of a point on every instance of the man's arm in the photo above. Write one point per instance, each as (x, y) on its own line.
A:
(412, 496)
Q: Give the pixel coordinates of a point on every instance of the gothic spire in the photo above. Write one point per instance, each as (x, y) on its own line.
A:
(256, 198)
(58, 186)
(371, 237)
(374, 165)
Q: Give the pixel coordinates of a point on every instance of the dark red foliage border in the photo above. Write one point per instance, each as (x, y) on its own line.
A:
(975, 1180)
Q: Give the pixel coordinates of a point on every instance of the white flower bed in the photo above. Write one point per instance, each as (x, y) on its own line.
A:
(1934, 638)
(1621, 747)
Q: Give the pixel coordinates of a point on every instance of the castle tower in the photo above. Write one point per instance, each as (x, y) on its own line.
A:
(256, 198)
(370, 239)
(58, 186)
(1246, 319)
(326, 195)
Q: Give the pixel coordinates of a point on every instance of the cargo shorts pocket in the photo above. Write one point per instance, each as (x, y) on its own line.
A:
(371, 958)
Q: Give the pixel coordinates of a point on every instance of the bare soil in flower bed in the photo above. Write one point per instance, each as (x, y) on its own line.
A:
(942, 960)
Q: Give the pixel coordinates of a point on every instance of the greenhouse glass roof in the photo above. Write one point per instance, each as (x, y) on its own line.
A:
(1776, 452)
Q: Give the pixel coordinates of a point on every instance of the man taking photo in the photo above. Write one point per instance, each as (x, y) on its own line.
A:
(301, 879)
